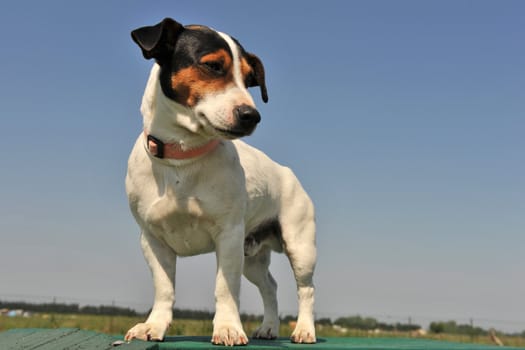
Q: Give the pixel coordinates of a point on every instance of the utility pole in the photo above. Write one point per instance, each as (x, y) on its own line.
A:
(471, 329)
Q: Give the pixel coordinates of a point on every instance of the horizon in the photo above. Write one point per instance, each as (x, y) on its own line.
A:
(385, 319)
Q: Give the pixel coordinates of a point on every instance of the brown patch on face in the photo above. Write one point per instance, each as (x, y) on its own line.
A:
(246, 69)
(212, 74)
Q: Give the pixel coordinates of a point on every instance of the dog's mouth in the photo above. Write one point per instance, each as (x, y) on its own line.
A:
(237, 130)
(233, 133)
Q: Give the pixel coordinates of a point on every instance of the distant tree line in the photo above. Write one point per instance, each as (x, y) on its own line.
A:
(451, 327)
(107, 310)
(369, 323)
(61, 308)
(351, 322)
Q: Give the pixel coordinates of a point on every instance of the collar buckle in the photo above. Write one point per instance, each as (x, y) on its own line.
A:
(155, 146)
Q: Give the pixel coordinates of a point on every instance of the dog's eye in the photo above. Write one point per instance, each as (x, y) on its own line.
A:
(215, 67)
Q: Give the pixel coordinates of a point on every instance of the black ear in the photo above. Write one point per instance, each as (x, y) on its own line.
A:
(158, 41)
(258, 71)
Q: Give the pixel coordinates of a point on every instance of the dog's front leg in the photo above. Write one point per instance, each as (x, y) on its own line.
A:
(227, 327)
(162, 261)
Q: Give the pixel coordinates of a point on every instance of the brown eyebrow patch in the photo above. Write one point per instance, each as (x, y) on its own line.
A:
(218, 56)
(193, 83)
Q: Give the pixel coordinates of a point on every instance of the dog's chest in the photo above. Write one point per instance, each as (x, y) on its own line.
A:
(176, 213)
(181, 222)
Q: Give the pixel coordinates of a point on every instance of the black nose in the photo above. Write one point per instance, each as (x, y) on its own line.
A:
(247, 116)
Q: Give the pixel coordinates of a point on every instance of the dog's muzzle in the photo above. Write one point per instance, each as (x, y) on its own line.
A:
(245, 119)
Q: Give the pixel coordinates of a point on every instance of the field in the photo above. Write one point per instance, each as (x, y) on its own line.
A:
(120, 324)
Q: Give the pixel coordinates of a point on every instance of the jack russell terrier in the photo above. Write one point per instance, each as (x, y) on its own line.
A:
(194, 188)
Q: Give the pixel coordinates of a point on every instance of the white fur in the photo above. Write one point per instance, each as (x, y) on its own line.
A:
(210, 203)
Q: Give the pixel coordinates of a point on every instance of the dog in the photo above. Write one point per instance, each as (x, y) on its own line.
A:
(194, 187)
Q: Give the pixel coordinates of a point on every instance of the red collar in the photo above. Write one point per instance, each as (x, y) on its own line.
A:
(163, 150)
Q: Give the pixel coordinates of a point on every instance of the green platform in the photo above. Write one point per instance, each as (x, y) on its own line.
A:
(70, 339)
(61, 339)
(190, 343)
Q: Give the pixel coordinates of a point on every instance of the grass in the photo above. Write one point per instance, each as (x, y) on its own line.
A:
(120, 324)
(104, 324)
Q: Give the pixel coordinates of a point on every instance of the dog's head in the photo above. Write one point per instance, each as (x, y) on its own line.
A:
(206, 71)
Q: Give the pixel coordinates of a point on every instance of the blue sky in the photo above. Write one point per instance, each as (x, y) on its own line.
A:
(403, 119)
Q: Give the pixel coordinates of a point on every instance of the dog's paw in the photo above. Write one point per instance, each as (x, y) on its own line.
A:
(228, 335)
(303, 333)
(149, 331)
(267, 331)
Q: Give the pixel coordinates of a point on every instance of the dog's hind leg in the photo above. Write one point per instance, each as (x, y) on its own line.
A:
(162, 262)
(302, 256)
(256, 271)
(302, 260)
(298, 234)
